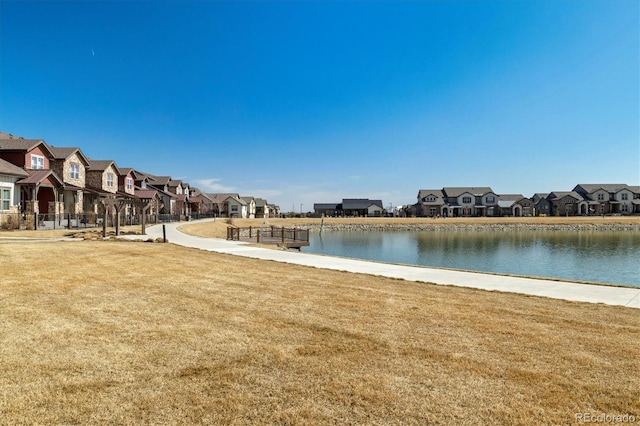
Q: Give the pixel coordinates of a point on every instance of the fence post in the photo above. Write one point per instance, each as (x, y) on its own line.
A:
(35, 221)
(257, 235)
(164, 233)
(283, 235)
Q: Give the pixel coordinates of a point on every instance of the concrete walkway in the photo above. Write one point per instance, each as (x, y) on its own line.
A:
(623, 296)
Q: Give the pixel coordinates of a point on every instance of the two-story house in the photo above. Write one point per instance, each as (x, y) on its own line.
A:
(251, 206)
(262, 208)
(168, 198)
(469, 201)
(430, 203)
(9, 195)
(564, 203)
(71, 165)
(101, 182)
(41, 190)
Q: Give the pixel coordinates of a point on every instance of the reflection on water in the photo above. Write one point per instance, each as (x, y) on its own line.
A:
(601, 256)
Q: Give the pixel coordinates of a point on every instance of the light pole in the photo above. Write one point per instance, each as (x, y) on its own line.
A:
(301, 208)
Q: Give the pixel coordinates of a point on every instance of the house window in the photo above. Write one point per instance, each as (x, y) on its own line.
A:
(74, 170)
(601, 197)
(432, 211)
(466, 200)
(234, 208)
(625, 208)
(491, 199)
(625, 196)
(429, 199)
(110, 180)
(5, 199)
(37, 162)
(129, 183)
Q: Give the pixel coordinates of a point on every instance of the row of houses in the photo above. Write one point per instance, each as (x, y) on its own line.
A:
(583, 199)
(358, 207)
(36, 178)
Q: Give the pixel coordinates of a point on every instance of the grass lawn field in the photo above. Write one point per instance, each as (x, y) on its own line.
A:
(126, 333)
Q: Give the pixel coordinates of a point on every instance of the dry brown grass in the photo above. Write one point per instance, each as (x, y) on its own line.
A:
(121, 333)
(218, 229)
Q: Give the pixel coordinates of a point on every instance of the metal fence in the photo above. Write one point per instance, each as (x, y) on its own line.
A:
(18, 221)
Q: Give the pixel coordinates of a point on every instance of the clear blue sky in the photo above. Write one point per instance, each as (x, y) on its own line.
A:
(303, 101)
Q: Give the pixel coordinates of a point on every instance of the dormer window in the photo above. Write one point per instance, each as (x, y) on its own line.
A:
(37, 162)
(466, 200)
(429, 199)
(143, 184)
(129, 183)
(110, 180)
(600, 196)
(491, 199)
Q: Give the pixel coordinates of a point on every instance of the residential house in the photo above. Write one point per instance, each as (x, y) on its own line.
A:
(71, 164)
(605, 199)
(237, 207)
(514, 205)
(101, 183)
(274, 210)
(9, 194)
(262, 208)
(541, 204)
(41, 190)
(635, 203)
(430, 203)
(251, 206)
(169, 199)
(200, 202)
(469, 201)
(564, 203)
(180, 191)
(357, 207)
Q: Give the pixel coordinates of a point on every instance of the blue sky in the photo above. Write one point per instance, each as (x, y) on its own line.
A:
(302, 102)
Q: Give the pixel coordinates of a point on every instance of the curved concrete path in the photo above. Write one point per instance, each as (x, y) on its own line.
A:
(623, 296)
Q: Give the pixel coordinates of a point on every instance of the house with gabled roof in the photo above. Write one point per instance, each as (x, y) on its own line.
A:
(230, 205)
(41, 190)
(514, 205)
(469, 201)
(71, 164)
(356, 207)
(251, 206)
(101, 183)
(200, 202)
(635, 203)
(161, 184)
(9, 194)
(430, 203)
(262, 208)
(564, 203)
(605, 198)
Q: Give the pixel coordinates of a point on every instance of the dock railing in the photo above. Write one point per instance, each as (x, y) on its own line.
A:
(269, 235)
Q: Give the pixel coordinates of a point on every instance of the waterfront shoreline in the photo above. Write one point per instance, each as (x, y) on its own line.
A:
(474, 227)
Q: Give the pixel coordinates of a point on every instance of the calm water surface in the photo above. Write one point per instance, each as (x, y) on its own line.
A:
(600, 256)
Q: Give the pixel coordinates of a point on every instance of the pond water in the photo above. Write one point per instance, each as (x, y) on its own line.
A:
(599, 256)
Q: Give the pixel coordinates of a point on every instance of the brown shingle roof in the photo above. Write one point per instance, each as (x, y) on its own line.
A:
(23, 145)
(101, 165)
(37, 176)
(7, 168)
